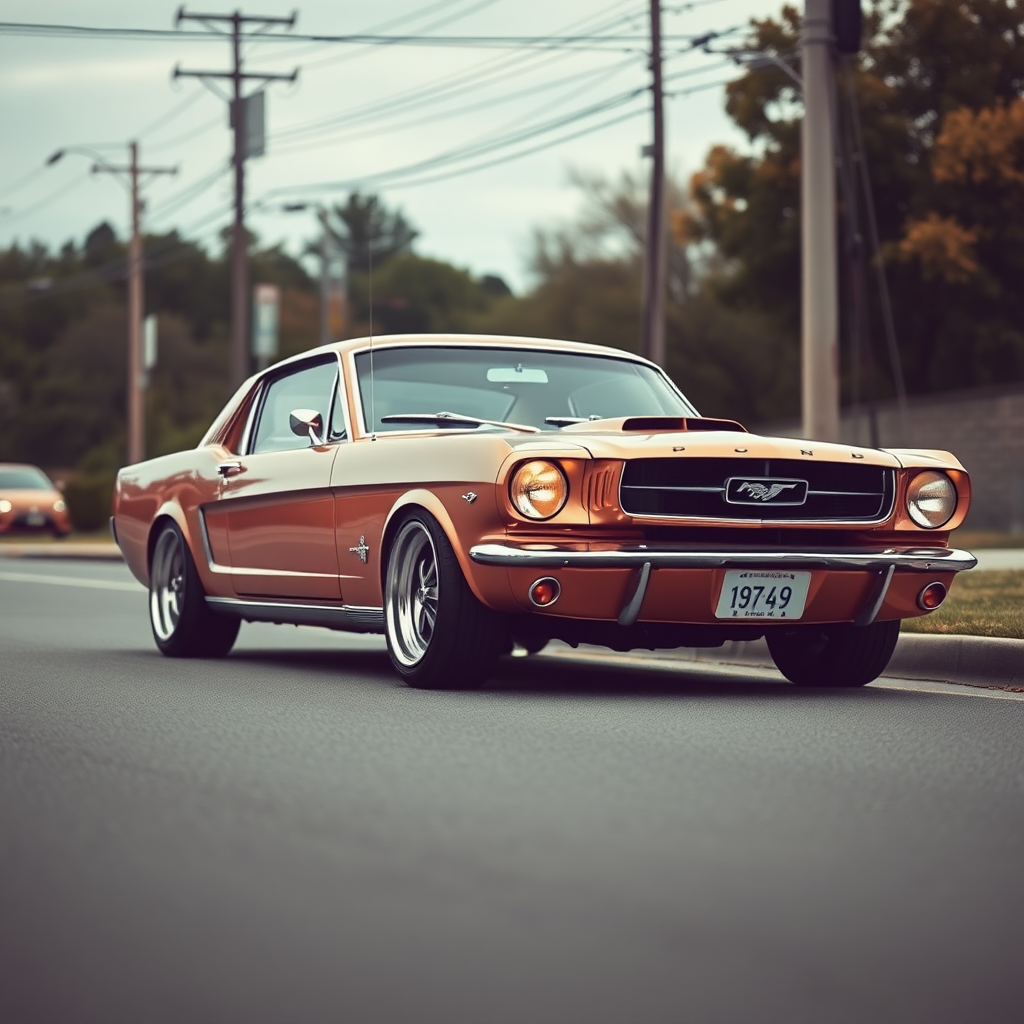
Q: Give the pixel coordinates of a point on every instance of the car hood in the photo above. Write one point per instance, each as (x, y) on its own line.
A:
(616, 444)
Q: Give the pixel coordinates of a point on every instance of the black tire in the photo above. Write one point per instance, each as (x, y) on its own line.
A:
(840, 655)
(440, 637)
(183, 624)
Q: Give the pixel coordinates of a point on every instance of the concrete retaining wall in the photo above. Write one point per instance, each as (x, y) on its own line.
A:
(983, 427)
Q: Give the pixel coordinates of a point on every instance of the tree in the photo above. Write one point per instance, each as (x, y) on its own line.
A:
(364, 225)
(934, 90)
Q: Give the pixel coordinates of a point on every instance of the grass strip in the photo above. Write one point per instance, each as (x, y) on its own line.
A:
(989, 603)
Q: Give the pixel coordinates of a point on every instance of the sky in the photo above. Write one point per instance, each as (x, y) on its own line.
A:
(440, 132)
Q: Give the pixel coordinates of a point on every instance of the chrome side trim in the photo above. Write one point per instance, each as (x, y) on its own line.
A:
(354, 618)
(242, 571)
(911, 560)
(204, 534)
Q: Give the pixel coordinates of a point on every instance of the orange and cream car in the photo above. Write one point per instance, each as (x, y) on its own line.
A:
(462, 494)
(30, 502)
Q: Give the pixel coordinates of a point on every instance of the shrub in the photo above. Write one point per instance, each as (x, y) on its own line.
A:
(89, 498)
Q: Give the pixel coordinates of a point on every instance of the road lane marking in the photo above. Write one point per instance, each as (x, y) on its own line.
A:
(69, 581)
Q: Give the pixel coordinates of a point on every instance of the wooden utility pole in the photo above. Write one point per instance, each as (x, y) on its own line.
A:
(136, 271)
(239, 362)
(652, 341)
(820, 320)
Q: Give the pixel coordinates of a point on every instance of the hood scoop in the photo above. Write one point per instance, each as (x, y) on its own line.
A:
(653, 424)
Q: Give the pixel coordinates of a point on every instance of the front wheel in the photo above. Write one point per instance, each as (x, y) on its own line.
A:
(839, 655)
(184, 625)
(439, 635)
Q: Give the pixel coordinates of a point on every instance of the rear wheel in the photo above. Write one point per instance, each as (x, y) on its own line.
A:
(839, 655)
(439, 635)
(184, 625)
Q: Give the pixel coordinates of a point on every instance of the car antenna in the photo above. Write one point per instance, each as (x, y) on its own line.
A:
(373, 406)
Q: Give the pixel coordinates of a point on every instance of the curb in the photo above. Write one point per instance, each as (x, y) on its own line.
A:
(944, 658)
(106, 551)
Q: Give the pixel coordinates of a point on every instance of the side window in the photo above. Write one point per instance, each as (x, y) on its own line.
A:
(308, 388)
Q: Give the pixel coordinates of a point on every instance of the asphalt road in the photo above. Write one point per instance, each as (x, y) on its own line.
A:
(290, 835)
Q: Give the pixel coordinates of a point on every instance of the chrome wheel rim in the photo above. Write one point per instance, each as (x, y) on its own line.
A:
(412, 591)
(167, 585)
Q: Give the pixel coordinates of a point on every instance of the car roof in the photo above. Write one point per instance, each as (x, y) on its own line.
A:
(489, 340)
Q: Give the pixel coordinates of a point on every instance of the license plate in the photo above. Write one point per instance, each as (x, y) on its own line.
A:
(35, 519)
(763, 595)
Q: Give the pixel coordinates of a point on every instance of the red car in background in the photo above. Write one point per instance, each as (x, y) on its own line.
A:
(30, 502)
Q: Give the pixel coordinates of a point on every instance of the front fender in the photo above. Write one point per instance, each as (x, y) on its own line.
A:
(489, 586)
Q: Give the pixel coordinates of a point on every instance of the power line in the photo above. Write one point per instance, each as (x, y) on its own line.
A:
(63, 190)
(587, 77)
(180, 108)
(577, 42)
(384, 25)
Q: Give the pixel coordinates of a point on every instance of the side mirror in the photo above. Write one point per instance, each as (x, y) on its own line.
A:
(60, 485)
(307, 423)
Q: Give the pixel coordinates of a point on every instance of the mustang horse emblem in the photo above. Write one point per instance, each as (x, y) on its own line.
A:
(762, 492)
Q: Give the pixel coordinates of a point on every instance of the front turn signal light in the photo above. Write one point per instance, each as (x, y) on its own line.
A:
(538, 489)
(931, 499)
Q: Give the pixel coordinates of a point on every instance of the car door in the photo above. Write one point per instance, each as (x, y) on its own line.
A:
(277, 494)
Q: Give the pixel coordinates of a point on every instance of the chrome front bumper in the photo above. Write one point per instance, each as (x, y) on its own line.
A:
(662, 557)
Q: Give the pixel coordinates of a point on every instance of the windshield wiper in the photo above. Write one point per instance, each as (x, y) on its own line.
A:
(568, 421)
(454, 419)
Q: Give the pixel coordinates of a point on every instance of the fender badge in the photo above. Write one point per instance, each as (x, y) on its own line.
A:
(804, 451)
(469, 496)
(856, 456)
(361, 550)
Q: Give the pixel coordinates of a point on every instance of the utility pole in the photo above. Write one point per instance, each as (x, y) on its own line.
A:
(239, 362)
(136, 385)
(820, 320)
(652, 340)
(325, 276)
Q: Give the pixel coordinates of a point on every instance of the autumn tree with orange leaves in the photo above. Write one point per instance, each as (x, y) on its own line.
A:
(938, 87)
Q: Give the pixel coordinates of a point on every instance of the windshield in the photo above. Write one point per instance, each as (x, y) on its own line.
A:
(528, 386)
(24, 478)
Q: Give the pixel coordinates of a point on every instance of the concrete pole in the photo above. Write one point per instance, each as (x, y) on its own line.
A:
(325, 277)
(135, 424)
(820, 321)
(240, 300)
(652, 342)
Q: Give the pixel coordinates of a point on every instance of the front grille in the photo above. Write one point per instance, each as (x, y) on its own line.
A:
(696, 488)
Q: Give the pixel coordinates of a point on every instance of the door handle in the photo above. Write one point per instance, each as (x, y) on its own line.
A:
(227, 469)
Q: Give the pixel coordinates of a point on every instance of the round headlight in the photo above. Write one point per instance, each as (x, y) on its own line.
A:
(5, 505)
(931, 499)
(538, 489)
(59, 506)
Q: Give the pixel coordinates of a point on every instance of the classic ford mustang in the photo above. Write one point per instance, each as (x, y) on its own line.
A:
(464, 494)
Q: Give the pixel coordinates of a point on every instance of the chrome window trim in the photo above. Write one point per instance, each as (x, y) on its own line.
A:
(626, 357)
(280, 373)
(257, 403)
